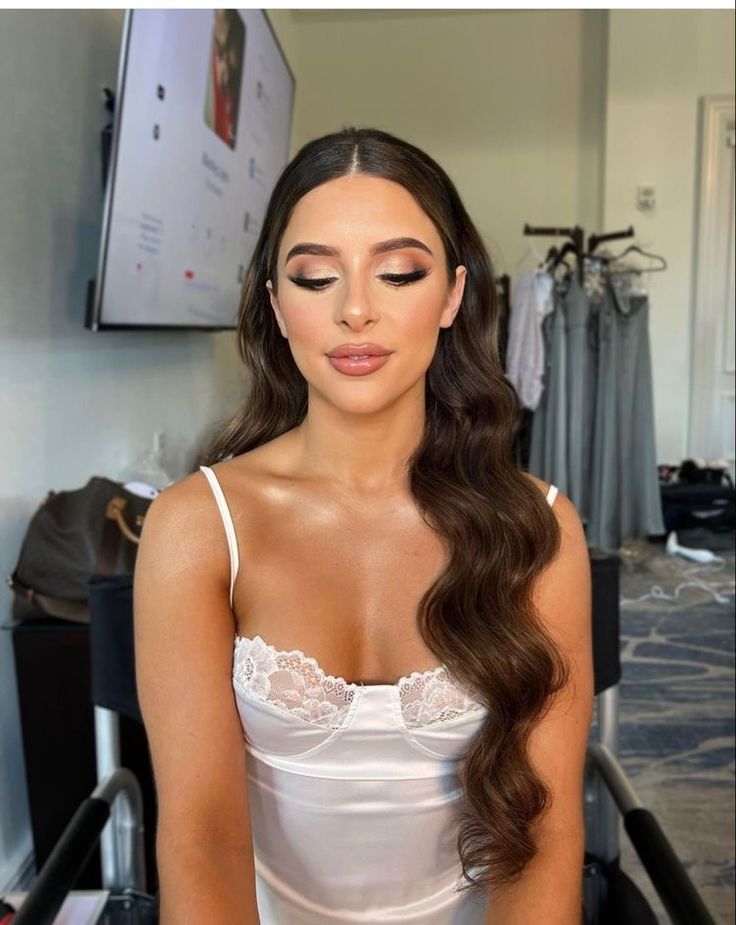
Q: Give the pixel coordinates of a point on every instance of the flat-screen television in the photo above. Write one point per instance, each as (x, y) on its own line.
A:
(202, 121)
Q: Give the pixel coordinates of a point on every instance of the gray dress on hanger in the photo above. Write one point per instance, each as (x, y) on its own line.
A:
(592, 434)
(625, 497)
(581, 377)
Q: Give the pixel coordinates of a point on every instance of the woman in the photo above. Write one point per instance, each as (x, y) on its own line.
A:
(225, 74)
(406, 648)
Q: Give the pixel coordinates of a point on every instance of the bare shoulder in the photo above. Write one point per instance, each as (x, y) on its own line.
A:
(562, 590)
(564, 510)
(182, 560)
(191, 501)
(567, 577)
(183, 523)
(183, 527)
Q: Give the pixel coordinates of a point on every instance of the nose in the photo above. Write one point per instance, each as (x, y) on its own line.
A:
(356, 308)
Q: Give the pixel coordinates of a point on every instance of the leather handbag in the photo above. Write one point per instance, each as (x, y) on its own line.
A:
(72, 536)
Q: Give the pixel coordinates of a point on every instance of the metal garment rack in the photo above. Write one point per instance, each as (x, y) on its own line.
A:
(576, 234)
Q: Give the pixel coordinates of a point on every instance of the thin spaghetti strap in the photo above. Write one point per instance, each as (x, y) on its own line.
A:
(552, 494)
(227, 521)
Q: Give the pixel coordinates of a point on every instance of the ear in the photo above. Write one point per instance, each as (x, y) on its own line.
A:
(275, 307)
(454, 299)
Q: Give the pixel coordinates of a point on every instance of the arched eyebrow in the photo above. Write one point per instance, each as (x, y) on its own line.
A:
(323, 250)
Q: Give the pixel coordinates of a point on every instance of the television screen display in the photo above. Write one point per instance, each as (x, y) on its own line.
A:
(201, 132)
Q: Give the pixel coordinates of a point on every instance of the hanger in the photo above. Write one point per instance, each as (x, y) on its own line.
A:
(559, 257)
(552, 259)
(554, 256)
(635, 248)
(551, 254)
(531, 251)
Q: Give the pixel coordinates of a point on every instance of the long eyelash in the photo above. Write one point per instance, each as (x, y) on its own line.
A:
(402, 279)
(311, 283)
(394, 279)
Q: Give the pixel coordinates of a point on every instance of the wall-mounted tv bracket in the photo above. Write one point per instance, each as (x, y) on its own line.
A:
(106, 135)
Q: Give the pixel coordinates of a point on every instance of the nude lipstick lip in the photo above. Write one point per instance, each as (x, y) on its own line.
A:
(362, 367)
(358, 359)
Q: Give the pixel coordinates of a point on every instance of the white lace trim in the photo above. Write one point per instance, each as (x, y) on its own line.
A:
(431, 697)
(292, 681)
(296, 682)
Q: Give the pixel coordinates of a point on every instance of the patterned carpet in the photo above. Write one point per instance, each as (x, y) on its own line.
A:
(677, 709)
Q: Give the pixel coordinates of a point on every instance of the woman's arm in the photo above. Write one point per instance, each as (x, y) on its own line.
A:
(550, 888)
(184, 636)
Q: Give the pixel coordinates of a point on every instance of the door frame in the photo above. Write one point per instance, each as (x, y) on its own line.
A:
(713, 236)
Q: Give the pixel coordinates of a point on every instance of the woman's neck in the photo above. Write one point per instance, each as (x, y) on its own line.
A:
(361, 454)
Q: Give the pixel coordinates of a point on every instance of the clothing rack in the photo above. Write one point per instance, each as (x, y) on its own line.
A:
(576, 234)
(595, 239)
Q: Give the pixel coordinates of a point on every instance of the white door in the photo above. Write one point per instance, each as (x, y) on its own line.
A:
(714, 332)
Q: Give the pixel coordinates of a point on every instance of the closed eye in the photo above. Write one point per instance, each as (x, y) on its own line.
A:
(401, 279)
(311, 283)
(393, 279)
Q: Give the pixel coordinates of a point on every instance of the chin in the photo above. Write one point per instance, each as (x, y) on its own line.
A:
(372, 404)
(348, 399)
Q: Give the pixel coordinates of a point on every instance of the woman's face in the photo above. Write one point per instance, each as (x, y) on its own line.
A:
(222, 56)
(358, 300)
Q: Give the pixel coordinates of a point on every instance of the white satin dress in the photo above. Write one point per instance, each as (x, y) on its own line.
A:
(352, 787)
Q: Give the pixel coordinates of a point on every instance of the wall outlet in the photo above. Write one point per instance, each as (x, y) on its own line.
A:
(646, 198)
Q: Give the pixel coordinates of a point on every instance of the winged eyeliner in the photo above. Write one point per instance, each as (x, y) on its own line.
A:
(397, 279)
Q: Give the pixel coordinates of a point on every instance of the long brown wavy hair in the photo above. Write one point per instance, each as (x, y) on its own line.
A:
(478, 618)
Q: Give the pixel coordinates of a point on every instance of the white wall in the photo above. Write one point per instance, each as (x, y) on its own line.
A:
(72, 403)
(660, 63)
(510, 102)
